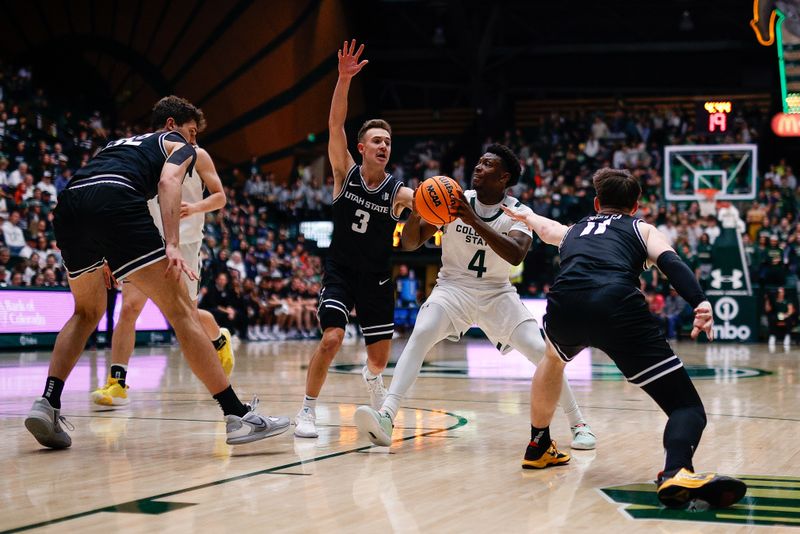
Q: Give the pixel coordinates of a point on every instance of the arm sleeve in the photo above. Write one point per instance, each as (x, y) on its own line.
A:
(681, 277)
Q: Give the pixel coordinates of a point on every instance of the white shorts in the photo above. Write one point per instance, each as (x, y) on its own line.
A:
(191, 255)
(497, 311)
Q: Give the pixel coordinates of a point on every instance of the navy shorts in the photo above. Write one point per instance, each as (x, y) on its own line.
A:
(616, 320)
(372, 294)
(100, 222)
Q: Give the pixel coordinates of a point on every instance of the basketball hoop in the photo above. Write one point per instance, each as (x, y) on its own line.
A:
(708, 202)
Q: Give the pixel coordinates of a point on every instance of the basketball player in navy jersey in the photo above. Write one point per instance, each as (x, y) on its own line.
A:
(367, 202)
(595, 301)
(193, 210)
(102, 218)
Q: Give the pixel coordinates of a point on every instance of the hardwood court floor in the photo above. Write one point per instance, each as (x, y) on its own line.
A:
(161, 465)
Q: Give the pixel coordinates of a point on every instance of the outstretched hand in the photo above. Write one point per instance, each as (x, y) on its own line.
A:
(703, 321)
(518, 216)
(349, 65)
(176, 265)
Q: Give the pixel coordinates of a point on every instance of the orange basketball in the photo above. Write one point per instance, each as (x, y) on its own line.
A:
(435, 200)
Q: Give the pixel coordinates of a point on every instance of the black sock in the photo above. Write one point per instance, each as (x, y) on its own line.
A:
(540, 442)
(230, 403)
(52, 391)
(681, 436)
(118, 372)
(219, 342)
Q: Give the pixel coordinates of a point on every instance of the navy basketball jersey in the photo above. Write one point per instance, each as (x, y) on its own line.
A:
(136, 160)
(364, 223)
(601, 250)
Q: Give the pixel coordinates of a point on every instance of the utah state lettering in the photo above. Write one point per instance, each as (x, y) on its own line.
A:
(366, 203)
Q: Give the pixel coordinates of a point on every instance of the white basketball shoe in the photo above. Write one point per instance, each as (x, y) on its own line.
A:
(253, 426)
(306, 423)
(377, 392)
(377, 425)
(583, 438)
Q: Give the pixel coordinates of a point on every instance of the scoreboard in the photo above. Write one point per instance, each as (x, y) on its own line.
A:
(713, 117)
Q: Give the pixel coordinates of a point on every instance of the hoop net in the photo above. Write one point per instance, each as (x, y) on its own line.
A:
(708, 204)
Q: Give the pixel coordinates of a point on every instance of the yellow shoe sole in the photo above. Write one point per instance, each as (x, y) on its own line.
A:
(225, 354)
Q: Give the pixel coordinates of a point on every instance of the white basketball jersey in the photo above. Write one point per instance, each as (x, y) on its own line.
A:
(191, 228)
(466, 257)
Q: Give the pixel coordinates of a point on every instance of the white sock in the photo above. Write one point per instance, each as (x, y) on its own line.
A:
(368, 374)
(310, 403)
(391, 405)
(432, 326)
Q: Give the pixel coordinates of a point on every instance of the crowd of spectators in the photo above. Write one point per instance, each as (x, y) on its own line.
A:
(261, 276)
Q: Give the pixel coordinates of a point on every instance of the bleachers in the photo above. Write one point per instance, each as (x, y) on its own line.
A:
(429, 121)
(531, 112)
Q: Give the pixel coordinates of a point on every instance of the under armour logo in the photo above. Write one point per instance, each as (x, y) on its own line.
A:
(735, 279)
(386, 196)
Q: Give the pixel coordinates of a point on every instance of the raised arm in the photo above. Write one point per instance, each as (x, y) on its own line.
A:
(550, 231)
(208, 173)
(340, 157)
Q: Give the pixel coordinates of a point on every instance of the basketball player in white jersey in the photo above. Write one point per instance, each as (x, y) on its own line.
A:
(473, 287)
(193, 210)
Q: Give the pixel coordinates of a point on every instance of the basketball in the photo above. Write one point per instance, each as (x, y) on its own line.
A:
(435, 200)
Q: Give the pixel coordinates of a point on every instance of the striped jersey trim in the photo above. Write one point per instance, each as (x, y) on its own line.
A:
(140, 262)
(77, 272)
(382, 184)
(387, 325)
(337, 308)
(638, 233)
(103, 181)
(397, 187)
(115, 176)
(345, 183)
(381, 333)
(654, 372)
(564, 237)
(161, 143)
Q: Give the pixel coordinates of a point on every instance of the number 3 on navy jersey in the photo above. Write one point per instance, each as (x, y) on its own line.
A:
(360, 225)
(601, 228)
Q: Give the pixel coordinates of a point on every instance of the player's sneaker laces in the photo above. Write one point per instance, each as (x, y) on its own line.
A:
(377, 392)
(583, 438)
(112, 394)
(44, 422)
(305, 423)
(719, 491)
(552, 456)
(253, 426)
(225, 354)
(377, 425)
